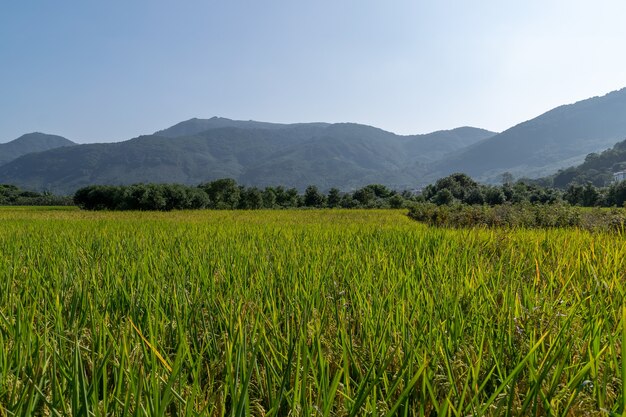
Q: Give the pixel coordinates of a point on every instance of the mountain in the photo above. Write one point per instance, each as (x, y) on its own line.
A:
(349, 155)
(195, 126)
(559, 138)
(344, 155)
(31, 142)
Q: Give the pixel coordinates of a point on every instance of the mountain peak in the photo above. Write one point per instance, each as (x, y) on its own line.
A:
(42, 137)
(29, 143)
(195, 126)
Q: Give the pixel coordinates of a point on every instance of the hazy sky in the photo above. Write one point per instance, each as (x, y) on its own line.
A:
(111, 70)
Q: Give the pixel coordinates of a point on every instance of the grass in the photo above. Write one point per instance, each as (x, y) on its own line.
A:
(312, 313)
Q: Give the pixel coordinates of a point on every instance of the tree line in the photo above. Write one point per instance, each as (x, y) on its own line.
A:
(461, 189)
(455, 189)
(10, 195)
(228, 195)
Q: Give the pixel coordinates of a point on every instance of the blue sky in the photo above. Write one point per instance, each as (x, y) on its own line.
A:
(109, 71)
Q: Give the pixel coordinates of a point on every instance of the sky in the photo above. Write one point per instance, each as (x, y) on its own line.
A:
(112, 70)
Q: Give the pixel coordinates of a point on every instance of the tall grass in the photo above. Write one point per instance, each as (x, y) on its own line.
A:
(312, 313)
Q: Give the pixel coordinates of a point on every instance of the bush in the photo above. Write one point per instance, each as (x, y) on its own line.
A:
(518, 215)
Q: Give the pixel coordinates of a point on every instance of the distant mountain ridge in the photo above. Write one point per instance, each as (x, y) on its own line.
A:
(29, 143)
(195, 126)
(344, 155)
(558, 138)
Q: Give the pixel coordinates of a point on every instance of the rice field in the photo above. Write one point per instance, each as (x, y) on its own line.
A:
(305, 313)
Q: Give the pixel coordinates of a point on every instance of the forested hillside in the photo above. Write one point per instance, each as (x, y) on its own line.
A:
(557, 139)
(597, 169)
(345, 155)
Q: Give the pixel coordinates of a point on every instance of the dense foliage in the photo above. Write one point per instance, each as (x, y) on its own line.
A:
(11, 195)
(311, 313)
(460, 189)
(227, 194)
(519, 215)
(141, 197)
(597, 169)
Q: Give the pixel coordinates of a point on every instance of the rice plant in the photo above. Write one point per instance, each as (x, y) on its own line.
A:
(305, 313)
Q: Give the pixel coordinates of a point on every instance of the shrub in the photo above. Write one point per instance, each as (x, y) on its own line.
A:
(518, 215)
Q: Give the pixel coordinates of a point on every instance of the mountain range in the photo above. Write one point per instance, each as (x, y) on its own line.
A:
(342, 155)
(329, 155)
(559, 138)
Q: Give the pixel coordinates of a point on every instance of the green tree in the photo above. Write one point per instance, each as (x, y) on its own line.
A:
(348, 202)
(494, 196)
(313, 197)
(269, 198)
(223, 193)
(396, 201)
(334, 198)
(292, 198)
(443, 197)
(365, 196)
(616, 195)
(458, 184)
(590, 195)
(251, 199)
(474, 197)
